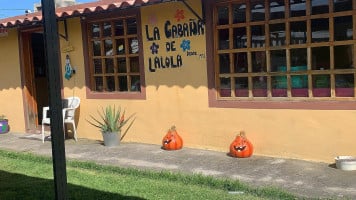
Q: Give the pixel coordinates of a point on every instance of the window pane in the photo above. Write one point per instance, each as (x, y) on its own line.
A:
(259, 61)
(276, 9)
(107, 29)
(299, 81)
(344, 85)
(121, 62)
(241, 87)
(240, 38)
(224, 61)
(108, 48)
(120, 45)
(320, 58)
(225, 87)
(277, 34)
(259, 86)
(321, 85)
(134, 64)
(297, 8)
(239, 13)
(257, 10)
(298, 58)
(95, 30)
(298, 32)
(131, 26)
(258, 36)
(135, 83)
(134, 48)
(343, 28)
(109, 65)
(279, 86)
(99, 85)
(223, 39)
(241, 63)
(119, 28)
(96, 48)
(320, 30)
(97, 66)
(110, 83)
(123, 83)
(343, 57)
(223, 15)
(319, 6)
(342, 5)
(278, 60)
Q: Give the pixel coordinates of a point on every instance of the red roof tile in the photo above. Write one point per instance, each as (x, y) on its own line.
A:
(75, 10)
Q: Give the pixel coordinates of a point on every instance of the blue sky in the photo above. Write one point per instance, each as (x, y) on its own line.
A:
(9, 8)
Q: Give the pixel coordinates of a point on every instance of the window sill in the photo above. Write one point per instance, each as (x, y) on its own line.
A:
(285, 103)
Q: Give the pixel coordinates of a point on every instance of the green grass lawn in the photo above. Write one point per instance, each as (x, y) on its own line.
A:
(27, 176)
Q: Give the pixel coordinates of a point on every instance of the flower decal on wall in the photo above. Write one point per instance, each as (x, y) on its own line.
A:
(185, 45)
(154, 48)
(179, 15)
(152, 20)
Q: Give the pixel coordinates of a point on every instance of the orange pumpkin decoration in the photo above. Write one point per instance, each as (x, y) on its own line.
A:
(241, 147)
(172, 141)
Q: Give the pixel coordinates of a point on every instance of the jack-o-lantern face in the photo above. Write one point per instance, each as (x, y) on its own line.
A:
(241, 147)
(172, 141)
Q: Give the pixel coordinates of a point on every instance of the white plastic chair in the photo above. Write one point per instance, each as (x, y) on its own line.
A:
(69, 106)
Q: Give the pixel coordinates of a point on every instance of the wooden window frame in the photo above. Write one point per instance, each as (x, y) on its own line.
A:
(88, 57)
(269, 102)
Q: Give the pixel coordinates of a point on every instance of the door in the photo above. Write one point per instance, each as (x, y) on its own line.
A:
(35, 88)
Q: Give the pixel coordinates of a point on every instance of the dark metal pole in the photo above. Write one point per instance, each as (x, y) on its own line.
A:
(51, 38)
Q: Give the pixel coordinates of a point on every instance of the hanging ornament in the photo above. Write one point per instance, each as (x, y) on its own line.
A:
(68, 69)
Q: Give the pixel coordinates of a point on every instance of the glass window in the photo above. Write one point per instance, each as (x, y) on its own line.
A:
(257, 36)
(297, 8)
(223, 15)
(342, 5)
(320, 30)
(343, 57)
(277, 34)
(239, 13)
(343, 28)
(276, 9)
(240, 38)
(298, 32)
(319, 6)
(316, 62)
(257, 10)
(115, 55)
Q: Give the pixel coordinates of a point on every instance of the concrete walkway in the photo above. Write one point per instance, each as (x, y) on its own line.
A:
(306, 179)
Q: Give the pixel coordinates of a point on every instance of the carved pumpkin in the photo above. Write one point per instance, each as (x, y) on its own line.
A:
(172, 141)
(241, 147)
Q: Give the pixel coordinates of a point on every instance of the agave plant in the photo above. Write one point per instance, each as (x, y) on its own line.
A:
(111, 120)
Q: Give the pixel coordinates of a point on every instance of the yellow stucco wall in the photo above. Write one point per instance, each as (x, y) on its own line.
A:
(179, 96)
(11, 104)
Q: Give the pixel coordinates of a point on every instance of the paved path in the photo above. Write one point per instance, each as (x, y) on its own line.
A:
(307, 179)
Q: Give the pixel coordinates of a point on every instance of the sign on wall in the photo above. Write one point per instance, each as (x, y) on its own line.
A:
(171, 42)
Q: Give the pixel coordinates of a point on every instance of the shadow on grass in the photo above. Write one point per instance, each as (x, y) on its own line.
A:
(26, 187)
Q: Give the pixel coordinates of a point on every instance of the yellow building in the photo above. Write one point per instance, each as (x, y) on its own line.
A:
(283, 72)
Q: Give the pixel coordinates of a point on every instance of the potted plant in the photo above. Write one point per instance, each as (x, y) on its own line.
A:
(4, 124)
(110, 122)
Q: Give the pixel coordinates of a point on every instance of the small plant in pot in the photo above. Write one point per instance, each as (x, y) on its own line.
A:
(4, 124)
(111, 120)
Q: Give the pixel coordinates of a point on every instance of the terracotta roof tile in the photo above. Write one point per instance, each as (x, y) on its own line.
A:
(75, 10)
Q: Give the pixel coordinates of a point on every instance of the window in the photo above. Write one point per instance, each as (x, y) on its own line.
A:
(114, 54)
(283, 50)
